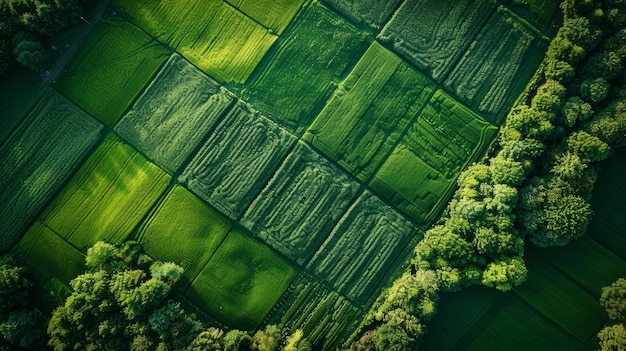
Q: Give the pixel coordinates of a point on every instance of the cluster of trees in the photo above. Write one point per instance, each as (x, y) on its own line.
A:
(26, 25)
(122, 302)
(613, 299)
(536, 184)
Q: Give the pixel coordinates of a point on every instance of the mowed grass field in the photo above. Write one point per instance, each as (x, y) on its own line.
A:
(174, 114)
(183, 230)
(38, 158)
(369, 112)
(213, 35)
(107, 197)
(109, 70)
(241, 282)
(318, 51)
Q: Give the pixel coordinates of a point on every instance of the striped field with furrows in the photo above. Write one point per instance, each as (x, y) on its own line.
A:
(174, 114)
(238, 158)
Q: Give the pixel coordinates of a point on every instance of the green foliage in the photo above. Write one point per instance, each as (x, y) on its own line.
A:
(32, 55)
(613, 299)
(504, 273)
(612, 338)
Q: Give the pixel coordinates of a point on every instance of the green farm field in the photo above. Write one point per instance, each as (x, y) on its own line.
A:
(290, 155)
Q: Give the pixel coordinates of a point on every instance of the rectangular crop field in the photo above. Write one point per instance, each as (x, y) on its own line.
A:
(241, 282)
(272, 14)
(433, 34)
(107, 197)
(498, 65)
(561, 300)
(184, 230)
(110, 69)
(370, 110)
(236, 161)
(374, 13)
(211, 34)
(324, 316)
(174, 114)
(419, 175)
(48, 253)
(38, 158)
(319, 50)
(364, 249)
(301, 204)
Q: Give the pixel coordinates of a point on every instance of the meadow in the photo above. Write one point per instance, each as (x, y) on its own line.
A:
(110, 69)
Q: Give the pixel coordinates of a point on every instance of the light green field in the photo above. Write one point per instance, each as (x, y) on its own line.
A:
(493, 73)
(38, 158)
(325, 317)
(49, 253)
(371, 12)
(369, 111)
(236, 161)
(110, 68)
(301, 75)
(273, 14)
(241, 282)
(211, 34)
(107, 197)
(363, 250)
(433, 34)
(421, 171)
(174, 114)
(301, 204)
(184, 230)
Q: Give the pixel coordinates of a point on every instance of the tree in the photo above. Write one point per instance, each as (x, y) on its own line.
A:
(267, 339)
(612, 338)
(613, 299)
(594, 90)
(32, 55)
(505, 273)
(588, 147)
(297, 342)
(576, 110)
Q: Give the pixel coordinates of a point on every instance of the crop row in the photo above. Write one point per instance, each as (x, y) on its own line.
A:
(374, 13)
(174, 114)
(38, 158)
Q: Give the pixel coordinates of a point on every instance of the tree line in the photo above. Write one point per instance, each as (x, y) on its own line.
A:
(533, 187)
(27, 25)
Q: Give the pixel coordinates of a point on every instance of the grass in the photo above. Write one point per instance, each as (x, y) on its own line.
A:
(107, 197)
(38, 158)
(301, 204)
(367, 114)
(236, 161)
(371, 12)
(272, 14)
(49, 254)
(492, 73)
(419, 174)
(367, 244)
(184, 230)
(174, 114)
(319, 50)
(433, 34)
(212, 35)
(241, 282)
(18, 90)
(110, 68)
(325, 317)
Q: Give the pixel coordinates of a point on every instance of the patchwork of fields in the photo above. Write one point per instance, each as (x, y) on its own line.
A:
(288, 154)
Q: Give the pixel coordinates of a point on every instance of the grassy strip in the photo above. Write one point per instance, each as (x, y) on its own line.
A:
(184, 230)
(48, 253)
(241, 282)
(273, 14)
(110, 69)
(212, 35)
(367, 244)
(300, 77)
(324, 316)
(420, 173)
(38, 158)
(434, 33)
(367, 114)
(174, 114)
(237, 160)
(374, 13)
(301, 204)
(492, 73)
(107, 197)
